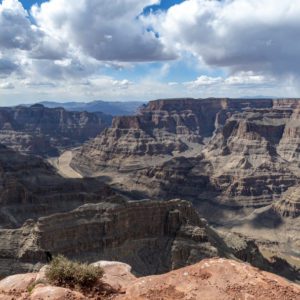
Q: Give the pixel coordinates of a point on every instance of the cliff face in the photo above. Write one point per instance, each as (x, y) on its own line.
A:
(152, 236)
(238, 153)
(87, 220)
(30, 188)
(41, 130)
(163, 128)
(289, 204)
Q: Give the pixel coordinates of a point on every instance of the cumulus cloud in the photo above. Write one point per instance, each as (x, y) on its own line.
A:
(66, 47)
(16, 30)
(242, 35)
(106, 30)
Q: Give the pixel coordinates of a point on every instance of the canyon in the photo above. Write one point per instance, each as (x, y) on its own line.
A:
(236, 160)
(180, 181)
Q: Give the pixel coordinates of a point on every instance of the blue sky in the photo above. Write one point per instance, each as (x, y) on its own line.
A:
(137, 50)
(165, 4)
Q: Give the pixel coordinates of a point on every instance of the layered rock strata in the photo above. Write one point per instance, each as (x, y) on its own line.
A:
(289, 205)
(163, 128)
(153, 237)
(44, 131)
(30, 188)
(236, 153)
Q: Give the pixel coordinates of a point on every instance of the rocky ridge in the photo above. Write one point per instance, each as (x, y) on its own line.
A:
(153, 237)
(42, 212)
(44, 131)
(210, 279)
(31, 188)
(232, 152)
(236, 160)
(289, 205)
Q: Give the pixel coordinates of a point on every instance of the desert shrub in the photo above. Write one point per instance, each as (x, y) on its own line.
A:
(64, 272)
(31, 287)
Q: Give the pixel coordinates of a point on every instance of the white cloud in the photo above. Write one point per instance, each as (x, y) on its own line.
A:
(63, 48)
(7, 86)
(248, 78)
(240, 79)
(106, 30)
(242, 35)
(204, 81)
(16, 31)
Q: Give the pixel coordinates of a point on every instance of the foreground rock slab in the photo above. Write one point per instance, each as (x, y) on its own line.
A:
(211, 279)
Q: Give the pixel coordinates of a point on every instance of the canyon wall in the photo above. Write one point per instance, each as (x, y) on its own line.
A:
(44, 131)
(233, 152)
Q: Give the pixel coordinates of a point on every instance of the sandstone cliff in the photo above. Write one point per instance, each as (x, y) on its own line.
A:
(153, 237)
(41, 212)
(237, 160)
(238, 153)
(30, 188)
(43, 131)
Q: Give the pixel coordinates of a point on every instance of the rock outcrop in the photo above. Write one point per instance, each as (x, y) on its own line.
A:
(163, 128)
(210, 279)
(30, 188)
(236, 153)
(153, 237)
(237, 160)
(44, 131)
(213, 279)
(289, 205)
(42, 212)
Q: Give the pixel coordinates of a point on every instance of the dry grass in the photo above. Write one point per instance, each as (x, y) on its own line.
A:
(67, 273)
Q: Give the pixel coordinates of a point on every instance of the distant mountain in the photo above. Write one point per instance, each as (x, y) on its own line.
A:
(112, 108)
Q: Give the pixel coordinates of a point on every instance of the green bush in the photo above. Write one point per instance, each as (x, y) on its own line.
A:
(64, 272)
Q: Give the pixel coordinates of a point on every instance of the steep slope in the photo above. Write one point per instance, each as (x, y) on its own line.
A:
(40, 130)
(233, 152)
(42, 212)
(289, 205)
(30, 188)
(154, 237)
(164, 128)
(238, 163)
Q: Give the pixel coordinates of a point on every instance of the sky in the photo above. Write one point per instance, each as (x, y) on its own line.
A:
(123, 50)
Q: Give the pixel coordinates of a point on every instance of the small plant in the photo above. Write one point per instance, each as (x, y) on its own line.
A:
(64, 272)
(34, 284)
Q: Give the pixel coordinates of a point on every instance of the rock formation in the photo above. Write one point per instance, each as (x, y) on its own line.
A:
(289, 205)
(213, 279)
(43, 131)
(232, 152)
(153, 237)
(237, 160)
(30, 188)
(210, 279)
(41, 213)
(163, 128)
